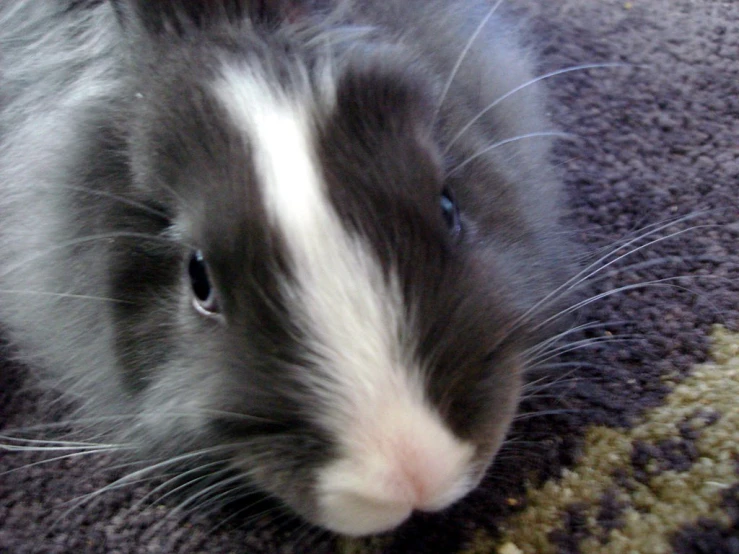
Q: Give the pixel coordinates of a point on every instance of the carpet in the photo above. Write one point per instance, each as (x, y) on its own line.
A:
(628, 441)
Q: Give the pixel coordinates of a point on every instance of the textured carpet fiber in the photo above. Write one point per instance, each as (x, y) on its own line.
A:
(629, 442)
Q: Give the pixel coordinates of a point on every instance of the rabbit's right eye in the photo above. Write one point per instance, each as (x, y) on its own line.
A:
(204, 297)
(450, 212)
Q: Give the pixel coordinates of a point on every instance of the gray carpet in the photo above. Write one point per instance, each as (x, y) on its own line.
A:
(633, 444)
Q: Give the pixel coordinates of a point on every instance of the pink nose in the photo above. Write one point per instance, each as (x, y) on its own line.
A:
(379, 490)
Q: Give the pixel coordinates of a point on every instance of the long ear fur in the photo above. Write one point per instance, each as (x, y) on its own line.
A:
(180, 16)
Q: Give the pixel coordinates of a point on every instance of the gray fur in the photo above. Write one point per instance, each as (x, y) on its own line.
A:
(100, 111)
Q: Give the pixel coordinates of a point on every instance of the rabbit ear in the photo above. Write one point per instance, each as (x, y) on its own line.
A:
(181, 16)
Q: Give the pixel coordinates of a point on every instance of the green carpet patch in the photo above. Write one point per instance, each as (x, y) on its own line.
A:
(634, 488)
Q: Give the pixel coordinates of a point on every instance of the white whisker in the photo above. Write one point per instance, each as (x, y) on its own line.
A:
(598, 266)
(45, 445)
(531, 389)
(530, 415)
(177, 477)
(180, 510)
(601, 264)
(503, 143)
(586, 302)
(87, 498)
(20, 448)
(236, 415)
(218, 501)
(138, 476)
(578, 345)
(86, 239)
(60, 458)
(304, 530)
(65, 295)
(553, 340)
(115, 197)
(523, 86)
(223, 522)
(461, 58)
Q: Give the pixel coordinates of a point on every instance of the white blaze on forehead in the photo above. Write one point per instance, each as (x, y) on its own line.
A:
(350, 311)
(368, 382)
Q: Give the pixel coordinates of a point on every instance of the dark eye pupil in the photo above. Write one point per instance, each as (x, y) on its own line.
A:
(449, 211)
(201, 287)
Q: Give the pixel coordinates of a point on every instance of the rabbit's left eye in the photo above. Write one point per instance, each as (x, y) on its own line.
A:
(204, 297)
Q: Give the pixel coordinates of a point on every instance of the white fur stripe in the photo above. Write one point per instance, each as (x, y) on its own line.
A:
(369, 384)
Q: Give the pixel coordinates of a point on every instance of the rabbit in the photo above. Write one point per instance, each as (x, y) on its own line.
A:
(308, 240)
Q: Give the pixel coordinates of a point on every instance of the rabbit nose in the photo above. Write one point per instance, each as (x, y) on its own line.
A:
(380, 486)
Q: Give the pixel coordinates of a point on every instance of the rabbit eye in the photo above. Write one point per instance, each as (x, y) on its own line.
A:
(449, 211)
(203, 294)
